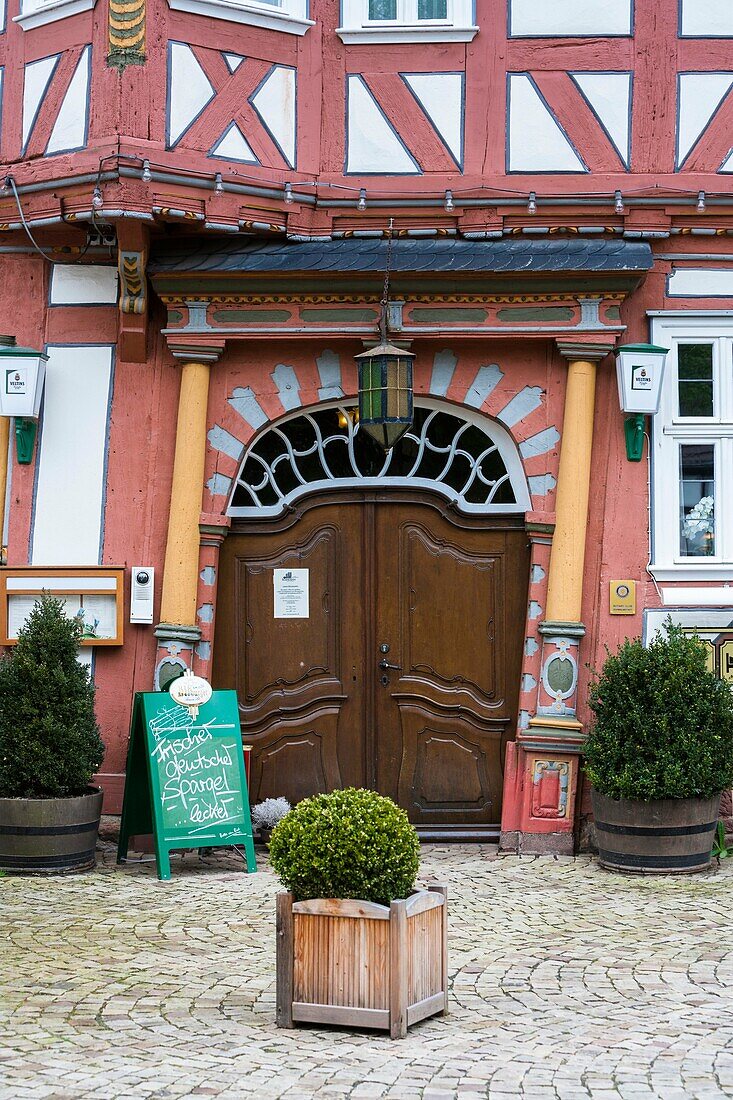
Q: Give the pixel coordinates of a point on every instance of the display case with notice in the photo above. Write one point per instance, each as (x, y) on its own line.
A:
(92, 594)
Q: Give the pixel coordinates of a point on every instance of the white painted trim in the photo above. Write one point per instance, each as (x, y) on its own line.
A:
(253, 14)
(376, 35)
(711, 573)
(698, 597)
(52, 12)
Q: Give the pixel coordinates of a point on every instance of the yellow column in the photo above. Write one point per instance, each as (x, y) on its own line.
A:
(565, 582)
(181, 570)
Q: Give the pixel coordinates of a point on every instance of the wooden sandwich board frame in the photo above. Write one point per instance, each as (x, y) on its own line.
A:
(143, 804)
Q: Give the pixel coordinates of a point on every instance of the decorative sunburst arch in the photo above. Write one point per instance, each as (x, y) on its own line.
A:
(464, 456)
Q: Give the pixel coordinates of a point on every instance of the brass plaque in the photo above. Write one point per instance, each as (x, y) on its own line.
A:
(623, 598)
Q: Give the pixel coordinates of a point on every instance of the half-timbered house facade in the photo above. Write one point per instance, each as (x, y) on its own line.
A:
(200, 202)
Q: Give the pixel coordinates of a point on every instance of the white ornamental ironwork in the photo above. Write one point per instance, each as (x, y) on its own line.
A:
(471, 461)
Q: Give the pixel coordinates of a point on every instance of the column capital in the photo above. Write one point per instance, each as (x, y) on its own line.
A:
(192, 352)
(590, 350)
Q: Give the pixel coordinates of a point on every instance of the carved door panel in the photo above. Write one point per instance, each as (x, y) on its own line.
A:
(447, 596)
(299, 680)
(450, 605)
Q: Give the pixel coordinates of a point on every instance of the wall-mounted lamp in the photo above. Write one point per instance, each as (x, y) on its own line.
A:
(532, 203)
(449, 206)
(288, 196)
(362, 203)
(22, 374)
(618, 202)
(639, 371)
(700, 202)
(97, 198)
(147, 175)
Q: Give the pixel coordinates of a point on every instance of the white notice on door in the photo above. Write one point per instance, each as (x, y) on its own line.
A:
(291, 593)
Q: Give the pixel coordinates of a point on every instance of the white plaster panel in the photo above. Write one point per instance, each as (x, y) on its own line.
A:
(697, 282)
(189, 90)
(71, 457)
(441, 97)
(2, 15)
(233, 146)
(70, 128)
(609, 95)
(537, 143)
(35, 84)
(83, 285)
(275, 104)
(372, 144)
(531, 18)
(700, 94)
(233, 60)
(707, 17)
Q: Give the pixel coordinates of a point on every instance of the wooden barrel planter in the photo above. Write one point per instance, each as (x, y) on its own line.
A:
(50, 835)
(359, 964)
(662, 837)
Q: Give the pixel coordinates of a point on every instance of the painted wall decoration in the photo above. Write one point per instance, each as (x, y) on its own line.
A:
(247, 105)
(126, 33)
(56, 102)
(404, 123)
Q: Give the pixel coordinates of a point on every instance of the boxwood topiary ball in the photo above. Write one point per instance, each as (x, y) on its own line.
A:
(347, 844)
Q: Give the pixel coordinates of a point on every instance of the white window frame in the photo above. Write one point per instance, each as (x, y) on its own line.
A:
(38, 13)
(356, 26)
(670, 329)
(289, 16)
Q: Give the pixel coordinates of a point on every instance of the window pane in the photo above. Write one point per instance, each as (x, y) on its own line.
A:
(432, 9)
(695, 375)
(697, 500)
(382, 9)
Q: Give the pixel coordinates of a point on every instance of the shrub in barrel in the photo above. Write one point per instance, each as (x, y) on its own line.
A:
(659, 754)
(49, 748)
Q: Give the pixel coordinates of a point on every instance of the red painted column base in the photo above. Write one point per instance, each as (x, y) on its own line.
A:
(540, 790)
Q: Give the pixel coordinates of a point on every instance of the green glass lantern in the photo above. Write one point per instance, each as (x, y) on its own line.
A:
(385, 393)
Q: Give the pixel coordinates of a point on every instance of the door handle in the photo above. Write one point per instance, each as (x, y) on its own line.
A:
(383, 664)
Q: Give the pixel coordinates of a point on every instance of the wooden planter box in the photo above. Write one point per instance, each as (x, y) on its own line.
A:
(360, 964)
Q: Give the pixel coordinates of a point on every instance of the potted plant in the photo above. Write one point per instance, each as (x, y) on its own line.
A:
(659, 755)
(265, 816)
(356, 943)
(49, 748)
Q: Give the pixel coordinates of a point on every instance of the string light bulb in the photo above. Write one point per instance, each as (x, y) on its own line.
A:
(288, 193)
(701, 202)
(147, 174)
(218, 184)
(618, 203)
(532, 203)
(362, 203)
(449, 206)
(97, 199)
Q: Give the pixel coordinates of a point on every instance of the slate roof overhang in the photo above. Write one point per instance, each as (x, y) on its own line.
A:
(423, 265)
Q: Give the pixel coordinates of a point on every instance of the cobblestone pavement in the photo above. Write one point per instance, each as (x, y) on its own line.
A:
(567, 982)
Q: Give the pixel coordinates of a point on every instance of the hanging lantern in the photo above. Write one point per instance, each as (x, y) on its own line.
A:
(22, 374)
(385, 393)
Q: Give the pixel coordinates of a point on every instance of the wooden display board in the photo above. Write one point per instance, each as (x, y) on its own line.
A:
(94, 594)
(185, 780)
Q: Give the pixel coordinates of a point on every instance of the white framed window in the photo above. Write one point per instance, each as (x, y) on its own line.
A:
(289, 16)
(38, 13)
(692, 449)
(407, 21)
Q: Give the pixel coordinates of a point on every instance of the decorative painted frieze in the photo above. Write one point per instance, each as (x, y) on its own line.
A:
(126, 33)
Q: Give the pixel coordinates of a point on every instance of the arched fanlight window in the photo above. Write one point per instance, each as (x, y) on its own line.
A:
(468, 459)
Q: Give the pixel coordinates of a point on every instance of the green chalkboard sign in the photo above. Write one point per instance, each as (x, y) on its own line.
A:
(185, 781)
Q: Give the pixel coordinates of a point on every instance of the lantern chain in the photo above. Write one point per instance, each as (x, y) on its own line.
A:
(385, 292)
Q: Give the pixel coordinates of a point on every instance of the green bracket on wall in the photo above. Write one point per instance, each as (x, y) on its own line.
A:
(634, 430)
(25, 438)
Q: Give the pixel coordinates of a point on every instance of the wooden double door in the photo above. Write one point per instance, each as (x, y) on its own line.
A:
(403, 677)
